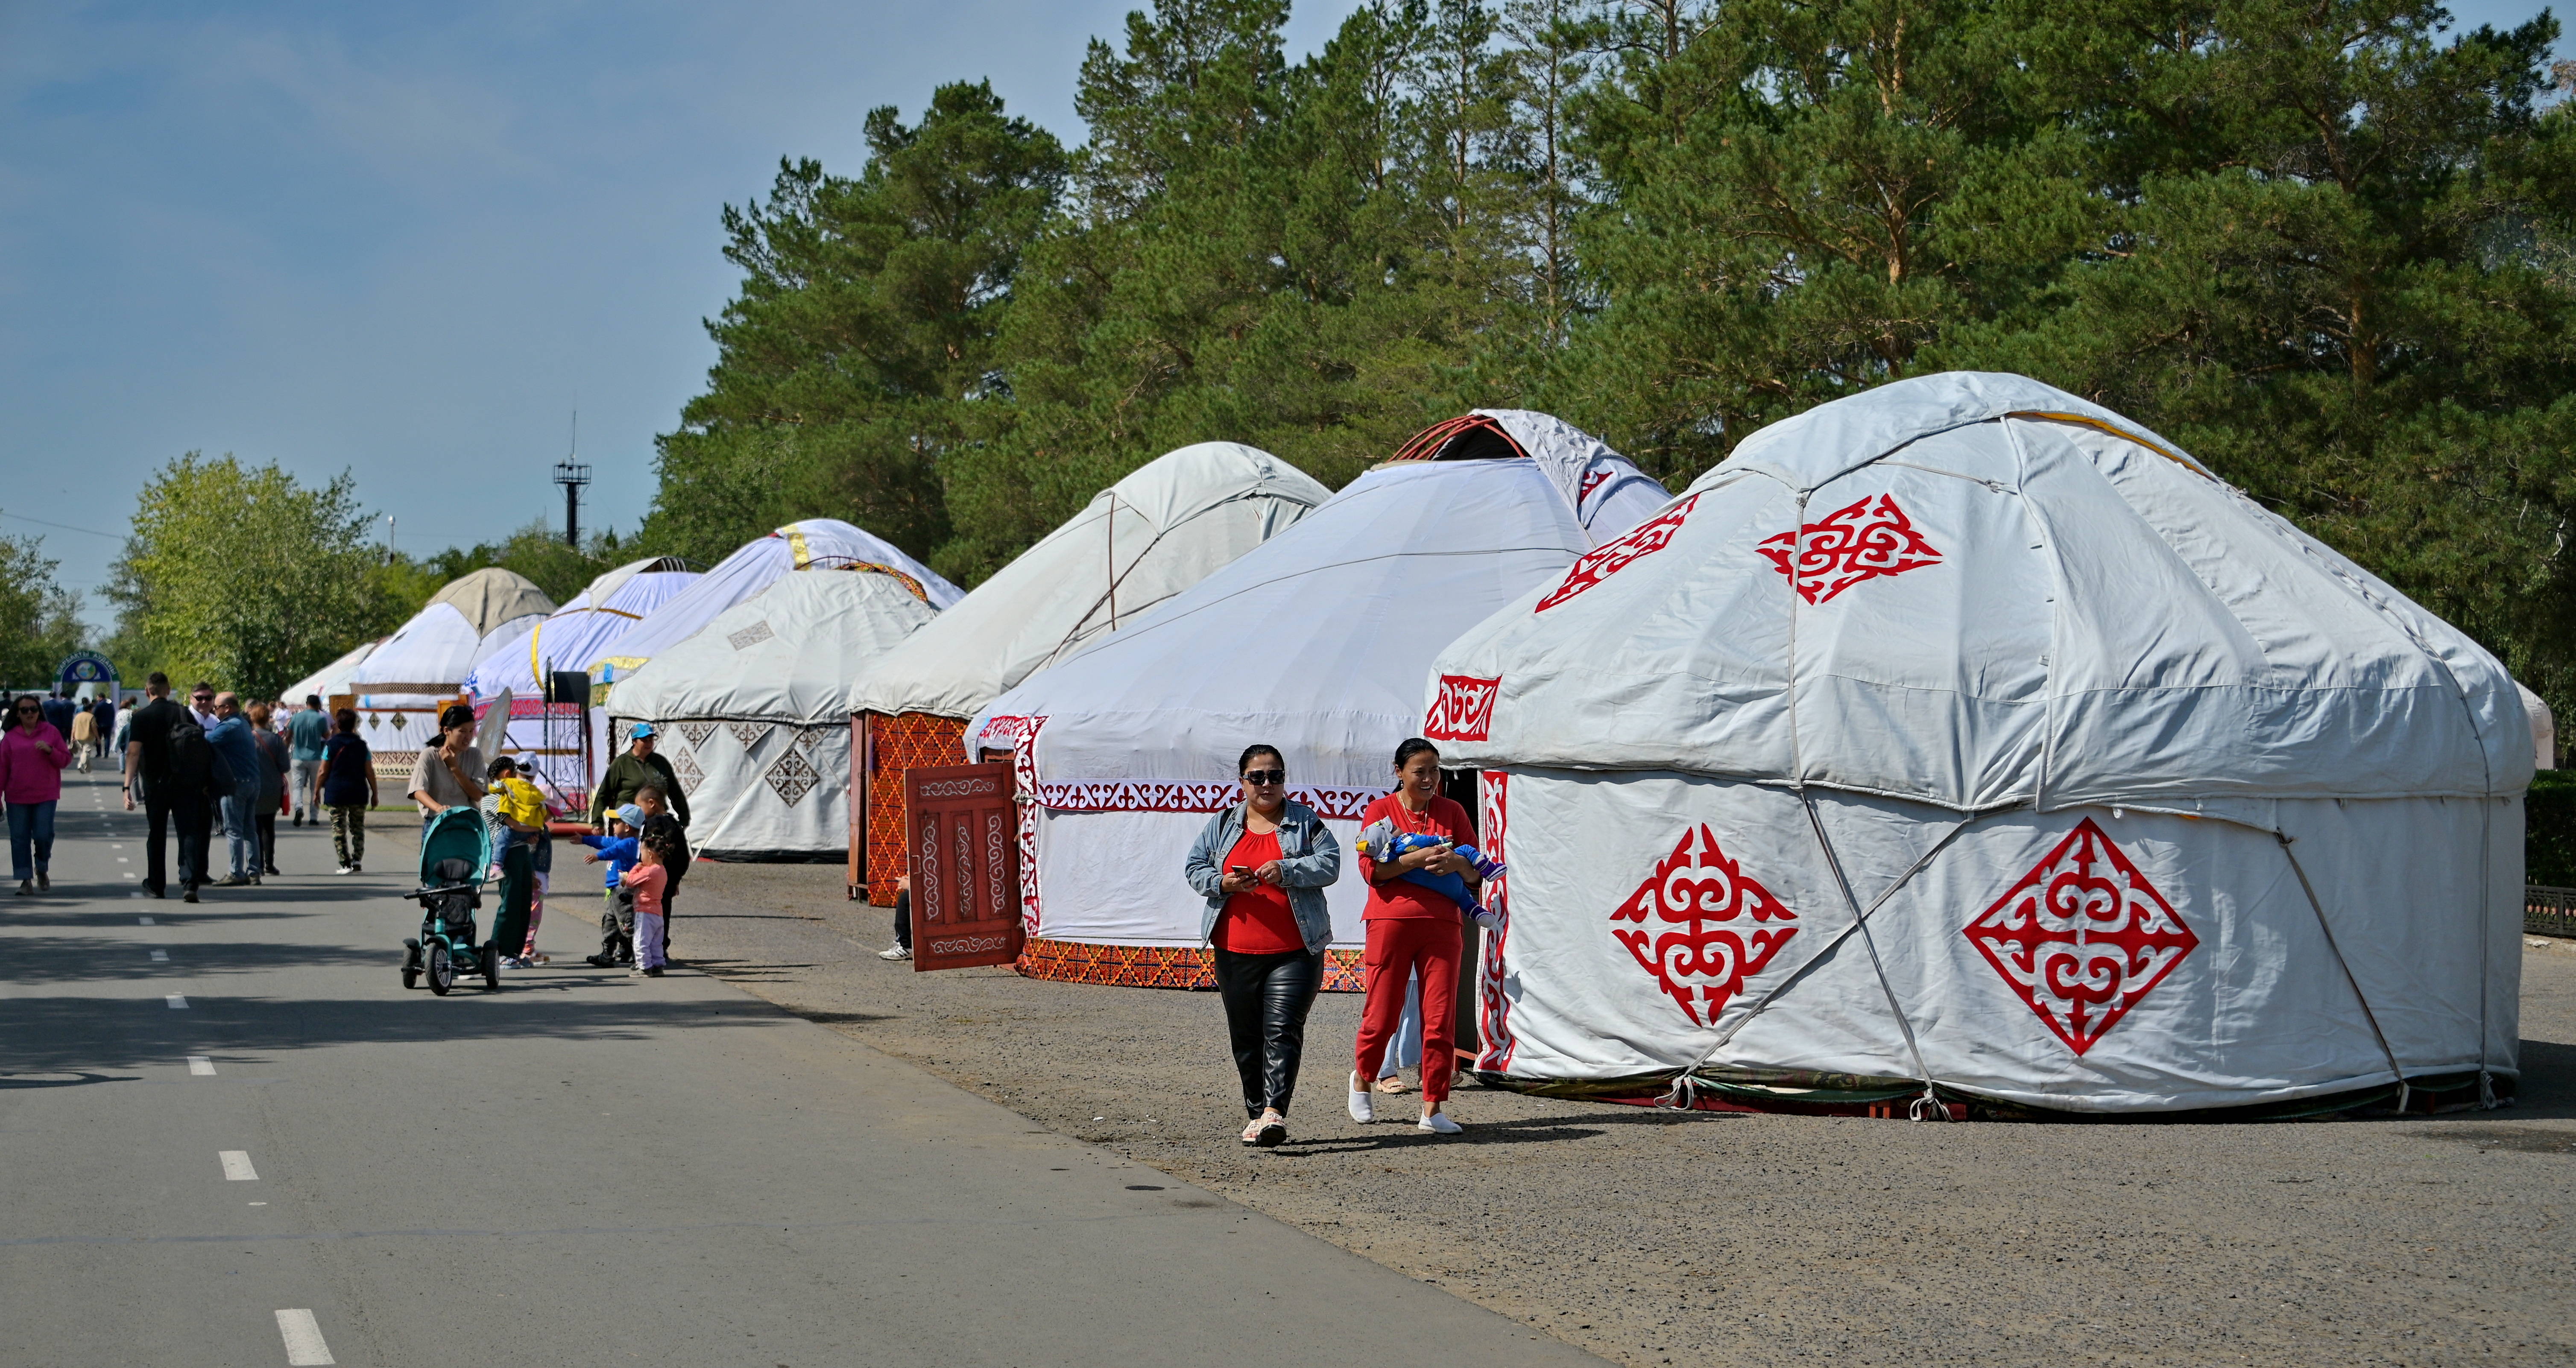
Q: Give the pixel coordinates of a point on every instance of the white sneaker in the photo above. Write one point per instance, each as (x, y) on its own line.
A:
(1438, 1123)
(895, 952)
(1363, 1106)
(341, 870)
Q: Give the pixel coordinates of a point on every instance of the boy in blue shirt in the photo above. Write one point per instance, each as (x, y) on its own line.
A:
(619, 851)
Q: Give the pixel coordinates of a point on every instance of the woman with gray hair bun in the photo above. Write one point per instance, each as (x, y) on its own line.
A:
(1263, 866)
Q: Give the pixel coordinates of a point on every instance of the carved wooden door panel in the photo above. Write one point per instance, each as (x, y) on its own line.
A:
(964, 852)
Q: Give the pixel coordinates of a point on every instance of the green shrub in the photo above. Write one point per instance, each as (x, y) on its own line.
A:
(2549, 830)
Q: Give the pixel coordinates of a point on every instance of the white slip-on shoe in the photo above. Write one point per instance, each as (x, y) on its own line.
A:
(895, 952)
(1363, 1106)
(1438, 1123)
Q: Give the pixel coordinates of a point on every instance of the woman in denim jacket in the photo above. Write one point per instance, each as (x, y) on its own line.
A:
(1263, 866)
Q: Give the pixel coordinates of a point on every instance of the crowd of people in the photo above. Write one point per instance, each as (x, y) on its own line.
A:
(1262, 865)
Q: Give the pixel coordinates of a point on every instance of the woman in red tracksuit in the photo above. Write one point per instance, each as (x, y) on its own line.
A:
(1413, 930)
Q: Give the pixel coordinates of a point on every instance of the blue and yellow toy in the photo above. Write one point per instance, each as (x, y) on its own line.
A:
(1381, 841)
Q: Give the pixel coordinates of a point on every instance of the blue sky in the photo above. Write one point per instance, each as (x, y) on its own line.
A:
(408, 240)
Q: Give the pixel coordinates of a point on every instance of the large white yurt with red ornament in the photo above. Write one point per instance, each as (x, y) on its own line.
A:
(1314, 642)
(1965, 736)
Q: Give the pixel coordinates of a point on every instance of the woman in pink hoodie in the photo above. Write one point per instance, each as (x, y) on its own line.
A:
(32, 756)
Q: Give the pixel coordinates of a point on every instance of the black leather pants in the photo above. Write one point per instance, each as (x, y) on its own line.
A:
(1266, 1000)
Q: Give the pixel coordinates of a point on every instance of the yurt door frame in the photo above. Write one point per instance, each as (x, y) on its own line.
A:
(964, 851)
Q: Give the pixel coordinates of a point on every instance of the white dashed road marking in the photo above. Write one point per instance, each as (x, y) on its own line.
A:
(237, 1167)
(176, 1000)
(201, 1066)
(161, 956)
(142, 921)
(303, 1336)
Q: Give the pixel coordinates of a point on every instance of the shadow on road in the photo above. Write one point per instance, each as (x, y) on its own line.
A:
(63, 1034)
(89, 959)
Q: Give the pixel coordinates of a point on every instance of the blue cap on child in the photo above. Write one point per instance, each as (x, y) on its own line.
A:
(632, 816)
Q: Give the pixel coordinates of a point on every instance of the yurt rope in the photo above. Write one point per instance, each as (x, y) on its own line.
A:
(2404, 1092)
(1684, 1094)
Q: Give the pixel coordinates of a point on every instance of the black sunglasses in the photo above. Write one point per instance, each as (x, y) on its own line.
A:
(1265, 777)
(29, 708)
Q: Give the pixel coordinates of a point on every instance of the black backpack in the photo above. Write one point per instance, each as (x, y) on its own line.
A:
(195, 767)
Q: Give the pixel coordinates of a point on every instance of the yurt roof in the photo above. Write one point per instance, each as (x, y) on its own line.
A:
(608, 582)
(492, 596)
(1168, 524)
(330, 679)
(813, 543)
(1979, 591)
(1316, 640)
(786, 653)
(578, 632)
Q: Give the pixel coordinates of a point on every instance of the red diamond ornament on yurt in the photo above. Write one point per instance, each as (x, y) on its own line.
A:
(2083, 937)
(1616, 554)
(1864, 541)
(1701, 927)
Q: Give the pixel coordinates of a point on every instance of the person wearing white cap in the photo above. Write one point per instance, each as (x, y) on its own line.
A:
(637, 767)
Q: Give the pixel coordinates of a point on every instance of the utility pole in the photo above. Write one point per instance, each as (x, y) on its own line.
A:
(572, 475)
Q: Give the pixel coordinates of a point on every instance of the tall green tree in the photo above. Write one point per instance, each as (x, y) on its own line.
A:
(866, 318)
(39, 619)
(245, 576)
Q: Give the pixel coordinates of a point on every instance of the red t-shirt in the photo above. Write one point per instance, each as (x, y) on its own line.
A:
(1257, 922)
(1398, 898)
(647, 880)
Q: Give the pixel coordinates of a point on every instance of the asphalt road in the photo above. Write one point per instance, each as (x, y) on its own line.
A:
(584, 1168)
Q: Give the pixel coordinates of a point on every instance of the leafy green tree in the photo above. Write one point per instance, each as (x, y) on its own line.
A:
(39, 619)
(536, 553)
(866, 319)
(244, 576)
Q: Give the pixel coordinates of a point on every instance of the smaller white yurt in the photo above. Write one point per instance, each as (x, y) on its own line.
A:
(547, 736)
(1965, 746)
(825, 543)
(331, 681)
(1166, 526)
(410, 675)
(1315, 642)
(753, 711)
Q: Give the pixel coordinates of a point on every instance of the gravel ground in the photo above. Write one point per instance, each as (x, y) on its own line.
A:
(1649, 1238)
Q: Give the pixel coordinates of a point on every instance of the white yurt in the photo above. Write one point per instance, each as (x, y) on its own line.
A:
(547, 736)
(1965, 738)
(1163, 528)
(1315, 642)
(410, 675)
(815, 542)
(753, 711)
(331, 681)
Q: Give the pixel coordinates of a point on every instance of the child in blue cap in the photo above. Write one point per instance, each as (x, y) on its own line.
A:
(620, 852)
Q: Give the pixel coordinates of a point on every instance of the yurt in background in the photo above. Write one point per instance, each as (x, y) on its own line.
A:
(1163, 528)
(753, 711)
(547, 735)
(1315, 642)
(1965, 744)
(825, 543)
(331, 681)
(421, 668)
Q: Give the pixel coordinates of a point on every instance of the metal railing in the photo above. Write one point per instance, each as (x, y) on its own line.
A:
(2548, 911)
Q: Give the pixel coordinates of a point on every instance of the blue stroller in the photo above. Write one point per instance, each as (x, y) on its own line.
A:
(455, 852)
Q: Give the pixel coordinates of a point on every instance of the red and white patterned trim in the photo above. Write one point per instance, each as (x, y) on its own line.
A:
(1497, 1024)
(1022, 733)
(1190, 795)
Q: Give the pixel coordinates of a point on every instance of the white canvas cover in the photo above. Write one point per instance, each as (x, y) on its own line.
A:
(403, 682)
(2150, 800)
(754, 710)
(330, 679)
(1167, 525)
(576, 634)
(1314, 642)
(751, 568)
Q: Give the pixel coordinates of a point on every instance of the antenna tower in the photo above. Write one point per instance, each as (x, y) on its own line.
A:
(572, 475)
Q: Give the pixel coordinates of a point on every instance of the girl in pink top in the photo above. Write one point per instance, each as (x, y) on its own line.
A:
(32, 756)
(649, 878)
